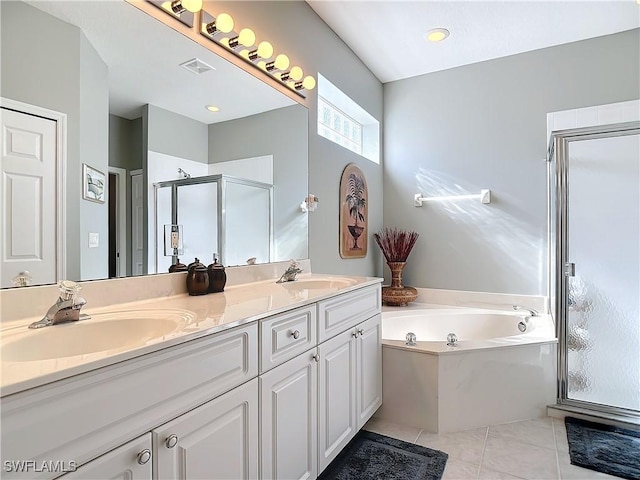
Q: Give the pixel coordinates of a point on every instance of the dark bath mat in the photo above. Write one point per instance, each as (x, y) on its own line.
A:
(604, 448)
(370, 456)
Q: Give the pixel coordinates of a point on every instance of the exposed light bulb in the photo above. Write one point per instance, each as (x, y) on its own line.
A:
(223, 23)
(193, 6)
(296, 73)
(262, 65)
(265, 50)
(246, 37)
(281, 63)
(437, 34)
(308, 83)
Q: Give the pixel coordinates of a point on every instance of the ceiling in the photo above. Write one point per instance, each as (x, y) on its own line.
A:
(143, 58)
(389, 36)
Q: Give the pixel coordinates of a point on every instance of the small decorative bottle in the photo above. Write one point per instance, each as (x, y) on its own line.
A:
(197, 279)
(217, 276)
(177, 267)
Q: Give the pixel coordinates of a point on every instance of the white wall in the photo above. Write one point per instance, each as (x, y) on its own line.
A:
(484, 126)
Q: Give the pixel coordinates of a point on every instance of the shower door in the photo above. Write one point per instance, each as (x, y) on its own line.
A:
(595, 176)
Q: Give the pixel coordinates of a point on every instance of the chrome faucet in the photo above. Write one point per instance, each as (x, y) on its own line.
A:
(532, 312)
(290, 273)
(67, 307)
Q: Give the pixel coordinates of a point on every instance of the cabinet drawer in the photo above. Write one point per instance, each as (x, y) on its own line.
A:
(345, 311)
(86, 415)
(282, 337)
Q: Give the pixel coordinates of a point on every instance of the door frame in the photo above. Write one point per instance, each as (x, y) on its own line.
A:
(121, 220)
(558, 190)
(61, 174)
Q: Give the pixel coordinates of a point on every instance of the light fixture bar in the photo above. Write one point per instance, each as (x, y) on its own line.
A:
(484, 196)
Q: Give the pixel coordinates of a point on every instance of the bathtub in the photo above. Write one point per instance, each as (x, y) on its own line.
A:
(501, 369)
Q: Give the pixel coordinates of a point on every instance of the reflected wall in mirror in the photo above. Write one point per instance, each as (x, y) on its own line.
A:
(127, 105)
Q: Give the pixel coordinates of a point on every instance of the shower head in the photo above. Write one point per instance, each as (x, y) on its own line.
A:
(183, 173)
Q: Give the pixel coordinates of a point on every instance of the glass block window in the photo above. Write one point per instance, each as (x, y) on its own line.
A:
(338, 127)
(344, 122)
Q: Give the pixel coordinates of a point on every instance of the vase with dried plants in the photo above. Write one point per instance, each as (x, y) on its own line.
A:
(396, 246)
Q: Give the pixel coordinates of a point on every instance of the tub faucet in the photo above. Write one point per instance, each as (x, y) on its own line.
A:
(532, 312)
(290, 273)
(67, 307)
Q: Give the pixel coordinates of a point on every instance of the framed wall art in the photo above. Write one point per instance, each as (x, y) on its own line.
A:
(354, 204)
(93, 184)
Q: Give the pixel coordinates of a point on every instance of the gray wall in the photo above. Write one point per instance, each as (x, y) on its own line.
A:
(176, 135)
(125, 151)
(295, 28)
(484, 126)
(30, 59)
(283, 134)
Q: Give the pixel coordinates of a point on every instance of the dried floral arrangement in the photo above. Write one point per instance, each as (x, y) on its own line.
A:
(396, 244)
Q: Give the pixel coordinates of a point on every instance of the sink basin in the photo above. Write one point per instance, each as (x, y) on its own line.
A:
(331, 283)
(107, 331)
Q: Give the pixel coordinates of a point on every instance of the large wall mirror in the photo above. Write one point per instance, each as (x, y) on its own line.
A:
(107, 142)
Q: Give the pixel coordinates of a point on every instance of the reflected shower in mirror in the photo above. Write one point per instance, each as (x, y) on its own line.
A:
(127, 96)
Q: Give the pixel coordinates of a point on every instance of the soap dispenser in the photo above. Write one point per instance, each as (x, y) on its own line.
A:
(197, 279)
(217, 276)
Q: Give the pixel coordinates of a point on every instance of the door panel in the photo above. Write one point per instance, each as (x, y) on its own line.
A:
(28, 197)
(603, 241)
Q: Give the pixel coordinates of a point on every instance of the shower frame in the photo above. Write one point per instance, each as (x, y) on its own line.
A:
(559, 266)
(222, 181)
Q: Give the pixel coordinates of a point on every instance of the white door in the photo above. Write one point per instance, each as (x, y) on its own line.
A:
(137, 224)
(216, 441)
(337, 422)
(131, 461)
(369, 368)
(289, 401)
(28, 197)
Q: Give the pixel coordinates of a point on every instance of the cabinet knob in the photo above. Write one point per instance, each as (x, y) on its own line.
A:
(360, 331)
(295, 334)
(355, 334)
(316, 357)
(144, 456)
(171, 441)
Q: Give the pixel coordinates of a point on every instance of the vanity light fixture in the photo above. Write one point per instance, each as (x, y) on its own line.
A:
(183, 10)
(179, 6)
(220, 30)
(437, 34)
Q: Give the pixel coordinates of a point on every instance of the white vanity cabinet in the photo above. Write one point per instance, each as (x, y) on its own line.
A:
(131, 461)
(273, 399)
(216, 441)
(288, 422)
(350, 388)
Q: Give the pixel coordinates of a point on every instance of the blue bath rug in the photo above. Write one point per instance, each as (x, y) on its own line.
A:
(604, 448)
(370, 456)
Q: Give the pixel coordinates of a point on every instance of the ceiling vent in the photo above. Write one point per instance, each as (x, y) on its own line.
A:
(196, 65)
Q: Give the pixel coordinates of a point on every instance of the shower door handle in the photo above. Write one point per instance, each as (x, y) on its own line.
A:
(569, 269)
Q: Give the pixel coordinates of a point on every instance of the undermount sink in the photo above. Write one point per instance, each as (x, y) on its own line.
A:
(318, 283)
(102, 332)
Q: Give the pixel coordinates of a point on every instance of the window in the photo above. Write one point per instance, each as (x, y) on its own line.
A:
(344, 122)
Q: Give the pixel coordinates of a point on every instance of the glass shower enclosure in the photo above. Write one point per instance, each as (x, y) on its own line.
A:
(220, 214)
(594, 212)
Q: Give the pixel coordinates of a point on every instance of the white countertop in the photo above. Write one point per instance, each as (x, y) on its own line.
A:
(202, 315)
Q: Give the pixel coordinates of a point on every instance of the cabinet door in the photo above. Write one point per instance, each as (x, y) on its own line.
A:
(218, 440)
(131, 461)
(289, 401)
(369, 368)
(337, 422)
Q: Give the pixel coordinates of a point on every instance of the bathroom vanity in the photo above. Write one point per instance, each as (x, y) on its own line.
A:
(270, 383)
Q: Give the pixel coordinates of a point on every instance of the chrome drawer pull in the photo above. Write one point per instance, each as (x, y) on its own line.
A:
(171, 441)
(295, 334)
(144, 456)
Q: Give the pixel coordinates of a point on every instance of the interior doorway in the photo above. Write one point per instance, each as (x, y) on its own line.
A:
(117, 201)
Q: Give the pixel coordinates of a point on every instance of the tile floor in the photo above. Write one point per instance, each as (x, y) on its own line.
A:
(533, 450)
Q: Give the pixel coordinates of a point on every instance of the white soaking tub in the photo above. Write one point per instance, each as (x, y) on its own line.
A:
(502, 367)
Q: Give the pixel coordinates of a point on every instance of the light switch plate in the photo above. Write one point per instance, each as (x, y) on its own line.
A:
(94, 240)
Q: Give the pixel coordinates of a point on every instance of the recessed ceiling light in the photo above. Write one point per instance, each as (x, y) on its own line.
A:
(437, 34)
(212, 108)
